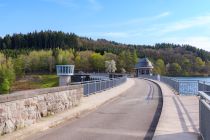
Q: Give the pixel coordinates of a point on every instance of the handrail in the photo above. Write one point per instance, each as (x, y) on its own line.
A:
(101, 85)
(182, 86)
(92, 81)
(206, 104)
(204, 95)
(204, 115)
(188, 80)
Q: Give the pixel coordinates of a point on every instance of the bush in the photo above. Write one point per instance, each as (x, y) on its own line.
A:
(20, 64)
(5, 86)
(7, 74)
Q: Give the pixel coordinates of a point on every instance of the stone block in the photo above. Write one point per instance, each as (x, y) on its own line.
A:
(28, 122)
(9, 127)
(19, 124)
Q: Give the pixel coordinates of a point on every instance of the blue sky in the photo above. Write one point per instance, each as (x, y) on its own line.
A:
(124, 21)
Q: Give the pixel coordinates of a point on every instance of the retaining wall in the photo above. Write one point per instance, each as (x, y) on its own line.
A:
(24, 108)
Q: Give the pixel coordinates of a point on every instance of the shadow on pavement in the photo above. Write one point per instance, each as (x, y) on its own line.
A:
(179, 136)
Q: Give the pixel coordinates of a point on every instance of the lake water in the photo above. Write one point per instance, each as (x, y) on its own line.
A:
(201, 79)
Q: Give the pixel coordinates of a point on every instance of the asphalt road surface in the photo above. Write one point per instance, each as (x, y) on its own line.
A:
(128, 117)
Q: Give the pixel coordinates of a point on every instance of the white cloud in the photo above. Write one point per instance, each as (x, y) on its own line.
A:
(148, 19)
(165, 14)
(108, 34)
(184, 24)
(115, 34)
(201, 42)
(195, 31)
(129, 33)
(136, 21)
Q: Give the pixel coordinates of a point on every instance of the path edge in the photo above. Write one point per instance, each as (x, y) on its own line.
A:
(151, 131)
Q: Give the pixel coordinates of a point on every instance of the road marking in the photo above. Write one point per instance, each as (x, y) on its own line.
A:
(150, 94)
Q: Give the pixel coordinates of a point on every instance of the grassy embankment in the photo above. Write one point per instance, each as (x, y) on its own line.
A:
(35, 82)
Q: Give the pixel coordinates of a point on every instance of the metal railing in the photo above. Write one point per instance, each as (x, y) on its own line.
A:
(203, 86)
(174, 83)
(184, 87)
(204, 115)
(91, 87)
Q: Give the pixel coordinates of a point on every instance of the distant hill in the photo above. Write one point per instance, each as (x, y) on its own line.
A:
(169, 53)
(53, 39)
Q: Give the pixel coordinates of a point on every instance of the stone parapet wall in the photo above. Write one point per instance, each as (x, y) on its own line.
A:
(24, 108)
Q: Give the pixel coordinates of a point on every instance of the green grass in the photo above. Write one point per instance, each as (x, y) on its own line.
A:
(35, 82)
(46, 81)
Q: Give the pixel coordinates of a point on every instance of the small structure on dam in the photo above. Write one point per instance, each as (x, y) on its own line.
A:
(64, 72)
(143, 67)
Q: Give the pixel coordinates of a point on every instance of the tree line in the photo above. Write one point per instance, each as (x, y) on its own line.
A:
(195, 67)
(24, 43)
(45, 61)
(13, 45)
(39, 52)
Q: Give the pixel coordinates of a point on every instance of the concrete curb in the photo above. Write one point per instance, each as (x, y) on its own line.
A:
(151, 131)
(87, 104)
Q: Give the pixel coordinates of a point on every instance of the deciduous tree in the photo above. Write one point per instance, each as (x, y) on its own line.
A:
(110, 66)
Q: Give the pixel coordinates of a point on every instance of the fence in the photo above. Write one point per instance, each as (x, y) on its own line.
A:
(204, 115)
(184, 87)
(91, 87)
(174, 83)
(203, 86)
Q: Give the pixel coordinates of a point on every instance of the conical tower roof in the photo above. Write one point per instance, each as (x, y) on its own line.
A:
(143, 63)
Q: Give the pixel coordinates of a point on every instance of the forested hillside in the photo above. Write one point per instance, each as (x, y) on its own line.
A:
(192, 61)
(39, 52)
